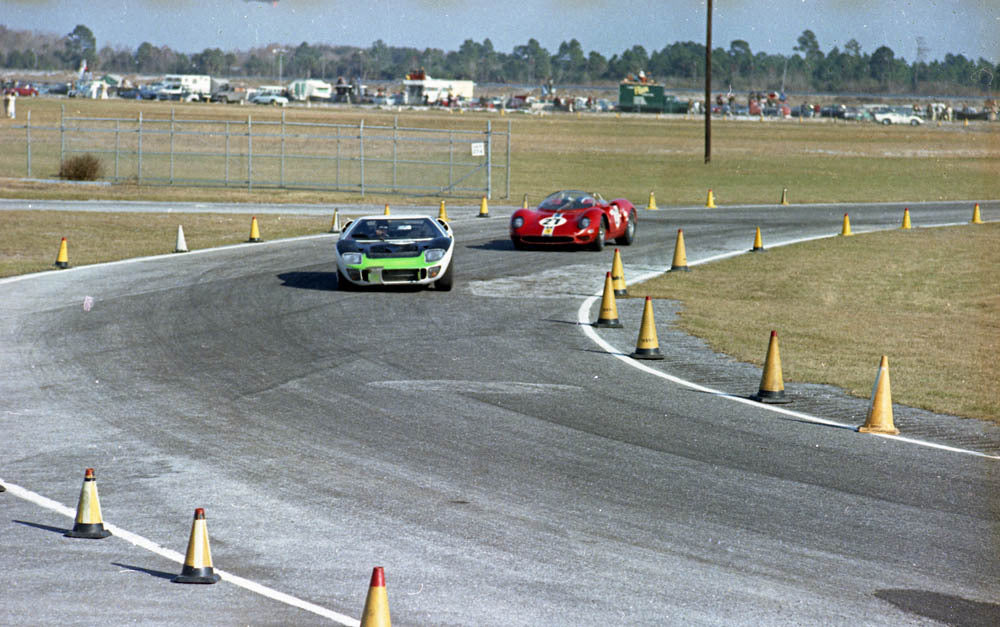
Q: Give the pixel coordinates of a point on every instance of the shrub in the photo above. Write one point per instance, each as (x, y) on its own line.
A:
(81, 168)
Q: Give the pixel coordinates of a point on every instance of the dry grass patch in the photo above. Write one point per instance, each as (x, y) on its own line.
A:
(30, 239)
(927, 298)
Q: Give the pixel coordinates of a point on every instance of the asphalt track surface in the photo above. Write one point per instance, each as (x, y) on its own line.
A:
(502, 461)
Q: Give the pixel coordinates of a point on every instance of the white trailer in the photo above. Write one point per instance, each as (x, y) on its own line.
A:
(310, 89)
(199, 85)
(419, 88)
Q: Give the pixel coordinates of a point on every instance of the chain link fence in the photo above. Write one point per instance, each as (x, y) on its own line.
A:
(268, 153)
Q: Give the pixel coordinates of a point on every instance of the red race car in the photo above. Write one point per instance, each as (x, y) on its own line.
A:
(577, 218)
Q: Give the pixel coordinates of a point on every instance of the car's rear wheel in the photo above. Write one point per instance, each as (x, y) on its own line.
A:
(629, 235)
(602, 232)
(447, 279)
(886, 122)
(914, 122)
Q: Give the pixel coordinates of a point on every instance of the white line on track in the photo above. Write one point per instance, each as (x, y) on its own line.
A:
(152, 547)
(583, 317)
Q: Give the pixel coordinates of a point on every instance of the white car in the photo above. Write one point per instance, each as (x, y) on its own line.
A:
(890, 116)
(269, 99)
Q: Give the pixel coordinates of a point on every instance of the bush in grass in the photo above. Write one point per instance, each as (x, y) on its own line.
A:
(81, 168)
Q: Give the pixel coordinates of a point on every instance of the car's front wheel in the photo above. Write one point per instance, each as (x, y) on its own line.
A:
(629, 235)
(447, 279)
(914, 122)
(602, 233)
(343, 283)
(886, 122)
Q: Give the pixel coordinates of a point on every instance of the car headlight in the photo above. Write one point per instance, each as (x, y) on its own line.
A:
(517, 222)
(351, 259)
(584, 222)
(433, 254)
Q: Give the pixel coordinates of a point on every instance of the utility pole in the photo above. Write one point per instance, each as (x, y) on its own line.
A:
(708, 85)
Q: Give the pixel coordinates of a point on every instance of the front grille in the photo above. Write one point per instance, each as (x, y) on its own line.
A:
(396, 276)
(540, 239)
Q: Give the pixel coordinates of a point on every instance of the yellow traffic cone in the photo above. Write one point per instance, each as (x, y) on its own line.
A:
(608, 318)
(976, 218)
(652, 202)
(784, 192)
(879, 418)
(88, 522)
(846, 229)
(524, 202)
(906, 219)
(254, 231)
(484, 211)
(618, 275)
(181, 245)
(386, 212)
(442, 212)
(198, 561)
(376, 612)
(711, 201)
(680, 255)
(335, 222)
(966, 122)
(772, 385)
(758, 244)
(62, 259)
(647, 346)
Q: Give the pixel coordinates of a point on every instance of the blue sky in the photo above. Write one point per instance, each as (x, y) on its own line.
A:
(969, 27)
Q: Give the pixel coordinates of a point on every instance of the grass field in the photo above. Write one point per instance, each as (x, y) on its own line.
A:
(929, 299)
(938, 328)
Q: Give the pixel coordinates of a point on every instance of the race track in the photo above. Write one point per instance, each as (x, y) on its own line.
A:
(502, 466)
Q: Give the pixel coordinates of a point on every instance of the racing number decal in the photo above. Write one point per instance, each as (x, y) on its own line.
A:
(616, 215)
(549, 224)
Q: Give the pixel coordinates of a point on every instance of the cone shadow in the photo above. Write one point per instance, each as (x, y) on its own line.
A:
(148, 571)
(59, 530)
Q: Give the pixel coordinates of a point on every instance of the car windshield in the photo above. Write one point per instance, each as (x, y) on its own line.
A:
(567, 201)
(397, 228)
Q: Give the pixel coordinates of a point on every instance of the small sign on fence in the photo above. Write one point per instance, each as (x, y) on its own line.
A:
(478, 149)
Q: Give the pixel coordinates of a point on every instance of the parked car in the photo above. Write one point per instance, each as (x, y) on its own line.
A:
(574, 218)
(269, 99)
(21, 90)
(897, 116)
(396, 250)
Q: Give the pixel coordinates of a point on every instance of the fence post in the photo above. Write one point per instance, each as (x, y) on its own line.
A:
(118, 130)
(489, 159)
(249, 153)
(395, 140)
(508, 159)
(62, 134)
(171, 145)
(227, 153)
(281, 167)
(139, 150)
(451, 160)
(27, 132)
(361, 145)
(338, 157)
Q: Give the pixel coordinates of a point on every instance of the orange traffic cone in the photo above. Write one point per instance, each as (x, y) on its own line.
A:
(652, 202)
(386, 212)
(976, 218)
(181, 245)
(906, 219)
(618, 275)
(784, 191)
(608, 318)
(335, 222)
(758, 244)
(442, 212)
(846, 230)
(772, 385)
(647, 346)
(680, 255)
(879, 418)
(62, 259)
(376, 612)
(254, 231)
(710, 204)
(198, 561)
(88, 522)
(484, 211)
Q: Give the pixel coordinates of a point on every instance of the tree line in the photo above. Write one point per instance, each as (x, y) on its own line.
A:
(678, 65)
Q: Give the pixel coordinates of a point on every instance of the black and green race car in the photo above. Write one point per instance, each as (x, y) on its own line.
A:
(396, 250)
